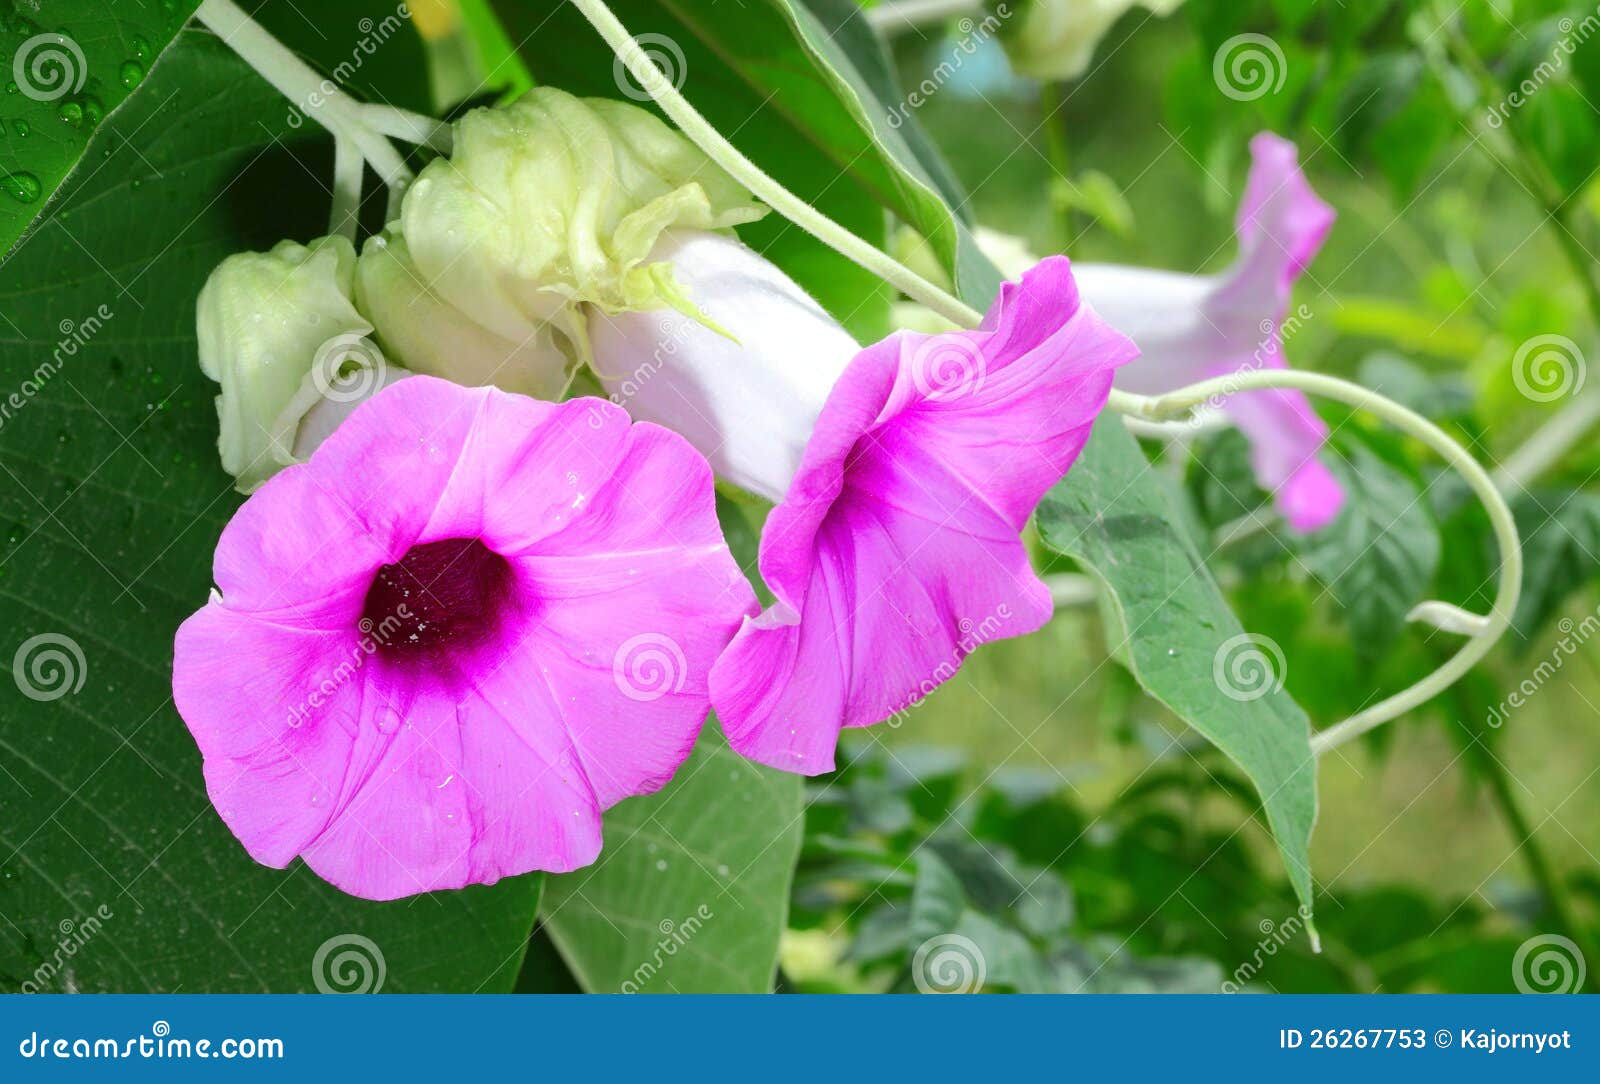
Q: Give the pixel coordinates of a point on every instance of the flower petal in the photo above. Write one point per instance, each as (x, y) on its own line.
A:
(394, 768)
(896, 550)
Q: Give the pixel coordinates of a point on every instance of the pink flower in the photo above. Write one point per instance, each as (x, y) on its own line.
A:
(1191, 327)
(467, 625)
(896, 551)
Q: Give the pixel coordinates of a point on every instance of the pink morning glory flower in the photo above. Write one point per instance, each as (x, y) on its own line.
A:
(896, 550)
(1191, 327)
(467, 625)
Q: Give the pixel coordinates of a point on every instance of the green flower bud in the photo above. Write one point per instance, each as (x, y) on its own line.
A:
(429, 335)
(546, 205)
(279, 332)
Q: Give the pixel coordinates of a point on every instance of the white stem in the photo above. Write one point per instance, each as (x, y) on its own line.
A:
(397, 123)
(1544, 449)
(902, 15)
(318, 97)
(705, 136)
(349, 167)
(1487, 628)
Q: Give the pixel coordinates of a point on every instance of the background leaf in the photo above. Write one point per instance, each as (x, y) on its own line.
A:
(1378, 558)
(691, 893)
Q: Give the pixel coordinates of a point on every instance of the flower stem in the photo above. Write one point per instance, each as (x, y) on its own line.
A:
(758, 182)
(1496, 622)
(1164, 407)
(318, 97)
(1540, 868)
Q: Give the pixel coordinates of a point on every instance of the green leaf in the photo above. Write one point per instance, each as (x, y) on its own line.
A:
(1560, 552)
(956, 949)
(1378, 558)
(691, 893)
(78, 60)
(111, 501)
(1183, 641)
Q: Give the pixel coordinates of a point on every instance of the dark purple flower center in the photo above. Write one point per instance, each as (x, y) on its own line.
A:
(438, 597)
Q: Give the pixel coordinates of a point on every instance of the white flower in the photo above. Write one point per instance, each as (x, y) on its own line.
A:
(746, 390)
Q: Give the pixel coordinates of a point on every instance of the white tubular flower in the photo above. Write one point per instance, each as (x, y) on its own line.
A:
(546, 208)
(744, 385)
(1192, 327)
(1056, 39)
(278, 331)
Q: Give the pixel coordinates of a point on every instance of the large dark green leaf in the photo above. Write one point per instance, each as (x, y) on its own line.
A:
(111, 500)
(67, 65)
(1179, 637)
(692, 891)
